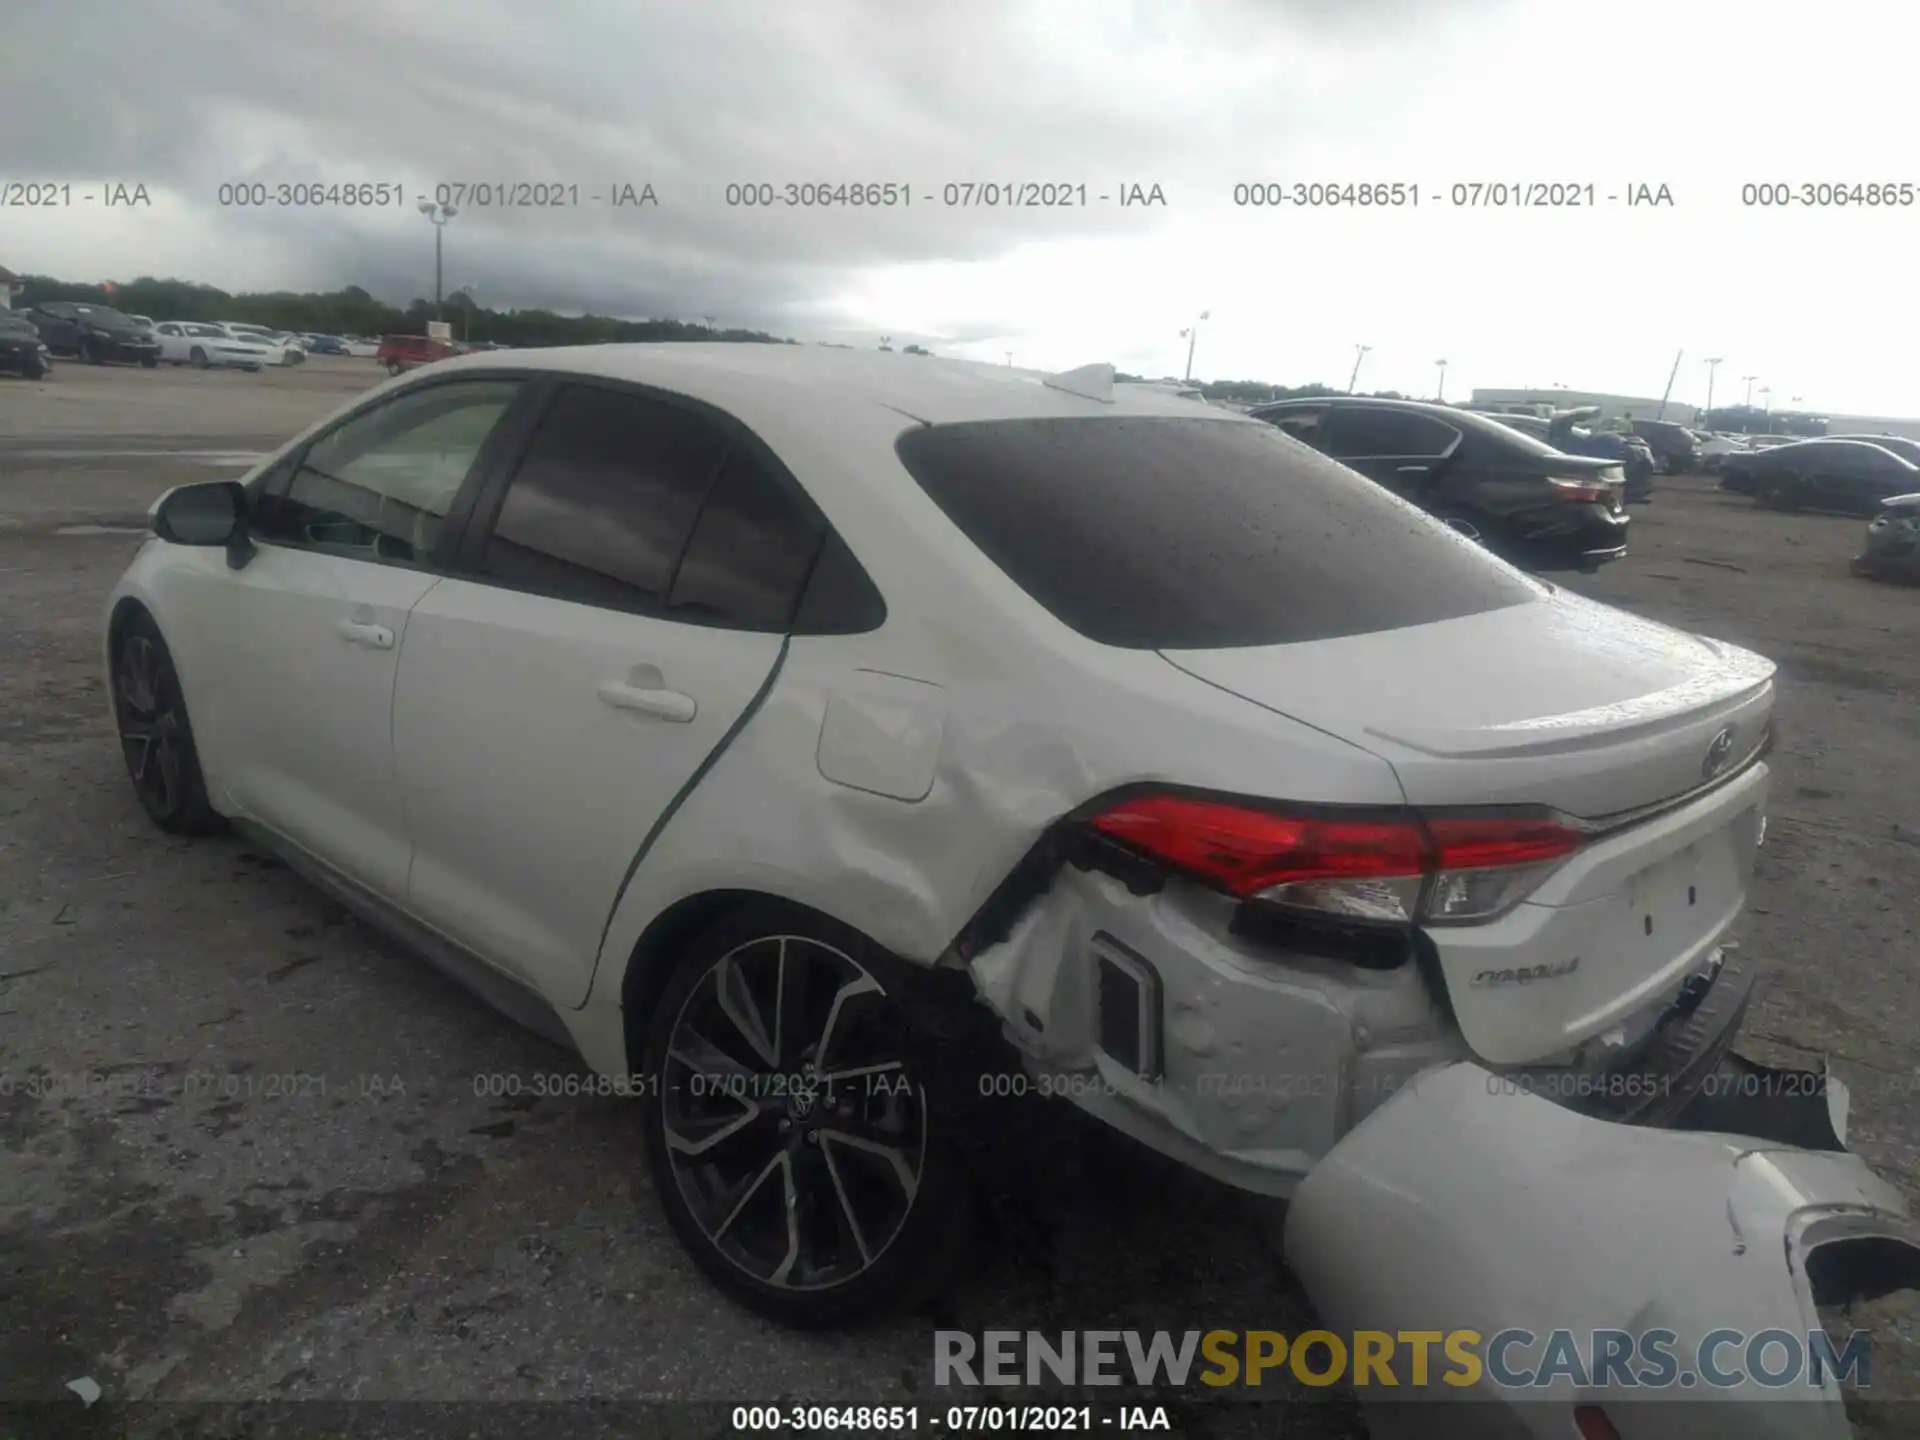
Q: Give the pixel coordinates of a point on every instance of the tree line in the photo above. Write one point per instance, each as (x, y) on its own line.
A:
(353, 311)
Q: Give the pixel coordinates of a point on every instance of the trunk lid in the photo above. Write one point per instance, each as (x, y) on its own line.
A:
(1562, 702)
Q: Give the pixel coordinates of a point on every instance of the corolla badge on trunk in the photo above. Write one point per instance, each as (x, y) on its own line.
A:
(1719, 753)
(1527, 974)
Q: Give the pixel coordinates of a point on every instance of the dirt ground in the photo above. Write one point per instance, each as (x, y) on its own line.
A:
(270, 1172)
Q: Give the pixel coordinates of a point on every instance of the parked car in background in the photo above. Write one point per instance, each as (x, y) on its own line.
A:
(1521, 497)
(1892, 550)
(142, 321)
(1906, 449)
(1770, 442)
(1846, 477)
(404, 352)
(1715, 447)
(97, 334)
(1526, 424)
(1569, 433)
(285, 351)
(1675, 448)
(1196, 761)
(325, 345)
(22, 351)
(204, 345)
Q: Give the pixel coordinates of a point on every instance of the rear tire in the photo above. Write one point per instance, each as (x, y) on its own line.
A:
(93, 353)
(156, 738)
(799, 1138)
(393, 367)
(149, 362)
(198, 358)
(1675, 465)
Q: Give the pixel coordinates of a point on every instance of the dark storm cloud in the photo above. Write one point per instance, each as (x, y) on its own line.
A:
(686, 97)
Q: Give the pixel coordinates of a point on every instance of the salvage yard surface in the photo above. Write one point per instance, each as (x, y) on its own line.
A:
(249, 1150)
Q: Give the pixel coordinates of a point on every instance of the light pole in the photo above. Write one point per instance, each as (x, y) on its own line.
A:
(1712, 363)
(1766, 396)
(1359, 354)
(1441, 396)
(466, 310)
(439, 215)
(1192, 334)
(1748, 402)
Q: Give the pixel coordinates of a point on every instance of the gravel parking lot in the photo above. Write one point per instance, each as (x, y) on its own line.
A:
(274, 1166)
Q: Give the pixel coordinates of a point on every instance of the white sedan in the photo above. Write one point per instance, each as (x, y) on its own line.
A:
(285, 349)
(824, 743)
(203, 346)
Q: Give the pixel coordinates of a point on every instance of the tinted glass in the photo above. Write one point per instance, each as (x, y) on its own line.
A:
(1307, 424)
(1157, 532)
(750, 553)
(1358, 430)
(602, 504)
(840, 598)
(378, 486)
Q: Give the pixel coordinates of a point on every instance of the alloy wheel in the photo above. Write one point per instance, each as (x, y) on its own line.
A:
(793, 1129)
(151, 734)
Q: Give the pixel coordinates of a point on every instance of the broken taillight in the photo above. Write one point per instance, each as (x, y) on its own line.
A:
(1397, 866)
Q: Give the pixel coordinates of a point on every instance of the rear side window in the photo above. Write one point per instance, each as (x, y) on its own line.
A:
(1174, 533)
(1359, 431)
(601, 506)
(750, 554)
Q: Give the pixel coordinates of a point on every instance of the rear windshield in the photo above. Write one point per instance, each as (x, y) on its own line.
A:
(1161, 533)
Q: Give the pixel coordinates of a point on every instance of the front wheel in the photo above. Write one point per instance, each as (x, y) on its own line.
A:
(94, 353)
(199, 358)
(156, 738)
(149, 362)
(393, 367)
(1675, 465)
(791, 1132)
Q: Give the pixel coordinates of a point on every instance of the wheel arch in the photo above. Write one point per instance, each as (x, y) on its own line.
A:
(650, 963)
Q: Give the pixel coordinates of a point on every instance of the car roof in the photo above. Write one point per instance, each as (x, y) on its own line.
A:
(778, 382)
(1850, 441)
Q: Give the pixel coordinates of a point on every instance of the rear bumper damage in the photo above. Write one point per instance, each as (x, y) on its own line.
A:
(1468, 1204)
(1649, 1181)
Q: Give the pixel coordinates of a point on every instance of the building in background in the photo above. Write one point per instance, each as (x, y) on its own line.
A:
(10, 286)
(1630, 407)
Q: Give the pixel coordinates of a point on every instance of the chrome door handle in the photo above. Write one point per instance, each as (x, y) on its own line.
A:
(662, 703)
(374, 637)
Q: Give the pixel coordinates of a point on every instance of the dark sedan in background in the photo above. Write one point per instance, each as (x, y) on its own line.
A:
(22, 351)
(1893, 542)
(1847, 477)
(1522, 498)
(1676, 449)
(94, 333)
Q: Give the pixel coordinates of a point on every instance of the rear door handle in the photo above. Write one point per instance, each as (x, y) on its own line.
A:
(374, 637)
(1411, 469)
(662, 703)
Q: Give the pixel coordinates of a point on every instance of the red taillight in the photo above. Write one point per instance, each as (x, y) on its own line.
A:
(1397, 867)
(1581, 491)
(1476, 843)
(1593, 1424)
(1245, 851)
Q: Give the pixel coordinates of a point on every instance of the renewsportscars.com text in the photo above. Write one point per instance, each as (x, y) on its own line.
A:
(1508, 1359)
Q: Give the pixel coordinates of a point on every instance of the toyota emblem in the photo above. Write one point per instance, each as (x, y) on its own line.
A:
(1719, 753)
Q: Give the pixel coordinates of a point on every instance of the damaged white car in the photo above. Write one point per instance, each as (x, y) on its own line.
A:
(773, 723)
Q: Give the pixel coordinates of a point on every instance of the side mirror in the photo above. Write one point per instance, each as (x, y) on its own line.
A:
(206, 515)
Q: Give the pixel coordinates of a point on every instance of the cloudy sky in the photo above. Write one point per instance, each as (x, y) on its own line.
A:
(1192, 96)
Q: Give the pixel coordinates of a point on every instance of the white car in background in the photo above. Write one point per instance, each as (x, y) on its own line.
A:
(286, 350)
(360, 349)
(204, 346)
(815, 739)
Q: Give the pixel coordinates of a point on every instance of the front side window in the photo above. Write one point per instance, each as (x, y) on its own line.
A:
(601, 506)
(378, 486)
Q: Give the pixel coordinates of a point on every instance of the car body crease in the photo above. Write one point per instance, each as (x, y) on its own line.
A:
(680, 798)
